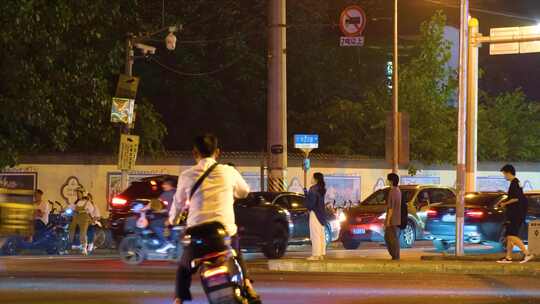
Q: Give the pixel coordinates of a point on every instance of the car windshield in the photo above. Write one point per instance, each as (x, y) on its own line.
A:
(379, 197)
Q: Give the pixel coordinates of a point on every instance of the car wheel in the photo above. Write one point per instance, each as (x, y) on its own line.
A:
(441, 245)
(407, 236)
(100, 238)
(276, 246)
(348, 242)
(10, 247)
(131, 250)
(499, 246)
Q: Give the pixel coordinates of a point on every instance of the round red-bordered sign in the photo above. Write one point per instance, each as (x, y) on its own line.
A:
(352, 21)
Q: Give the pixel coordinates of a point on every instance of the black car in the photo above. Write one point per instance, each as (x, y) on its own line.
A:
(484, 220)
(294, 204)
(262, 227)
(365, 223)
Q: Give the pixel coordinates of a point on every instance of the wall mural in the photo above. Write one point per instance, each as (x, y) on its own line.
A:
(343, 188)
(67, 191)
(420, 180)
(18, 180)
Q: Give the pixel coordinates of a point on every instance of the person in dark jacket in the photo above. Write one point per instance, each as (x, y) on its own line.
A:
(317, 217)
(516, 212)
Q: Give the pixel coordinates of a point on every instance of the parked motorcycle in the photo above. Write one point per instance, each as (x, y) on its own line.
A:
(142, 243)
(54, 240)
(218, 265)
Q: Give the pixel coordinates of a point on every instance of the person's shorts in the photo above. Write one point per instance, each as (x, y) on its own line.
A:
(513, 227)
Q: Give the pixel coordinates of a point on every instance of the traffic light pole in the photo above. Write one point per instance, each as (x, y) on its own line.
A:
(462, 116)
(277, 97)
(472, 108)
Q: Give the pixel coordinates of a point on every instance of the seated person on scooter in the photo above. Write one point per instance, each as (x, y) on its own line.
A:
(157, 222)
(210, 189)
(42, 214)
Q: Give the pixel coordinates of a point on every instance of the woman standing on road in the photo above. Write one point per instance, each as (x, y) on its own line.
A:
(317, 217)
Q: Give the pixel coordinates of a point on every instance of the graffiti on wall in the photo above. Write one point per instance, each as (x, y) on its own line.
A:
(420, 180)
(18, 180)
(67, 191)
(253, 179)
(343, 188)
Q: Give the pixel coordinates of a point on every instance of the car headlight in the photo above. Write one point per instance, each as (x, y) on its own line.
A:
(342, 217)
(382, 217)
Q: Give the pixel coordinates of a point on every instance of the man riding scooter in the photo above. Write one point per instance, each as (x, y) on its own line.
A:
(210, 189)
(159, 218)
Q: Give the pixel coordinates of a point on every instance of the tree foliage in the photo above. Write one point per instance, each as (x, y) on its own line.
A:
(57, 65)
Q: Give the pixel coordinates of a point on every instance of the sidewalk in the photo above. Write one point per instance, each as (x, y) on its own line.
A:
(478, 265)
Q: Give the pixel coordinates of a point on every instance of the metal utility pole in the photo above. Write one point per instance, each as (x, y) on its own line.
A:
(125, 128)
(395, 94)
(462, 115)
(277, 97)
(472, 107)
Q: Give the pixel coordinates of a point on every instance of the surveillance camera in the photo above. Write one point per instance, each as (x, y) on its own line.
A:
(146, 49)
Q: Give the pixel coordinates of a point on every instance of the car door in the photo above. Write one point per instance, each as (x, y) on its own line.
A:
(533, 214)
(299, 216)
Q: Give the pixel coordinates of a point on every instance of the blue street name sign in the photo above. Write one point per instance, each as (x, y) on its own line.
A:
(306, 141)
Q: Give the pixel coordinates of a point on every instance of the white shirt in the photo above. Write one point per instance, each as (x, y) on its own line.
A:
(214, 199)
(88, 205)
(45, 209)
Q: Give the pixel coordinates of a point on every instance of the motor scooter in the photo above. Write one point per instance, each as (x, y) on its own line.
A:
(142, 242)
(53, 240)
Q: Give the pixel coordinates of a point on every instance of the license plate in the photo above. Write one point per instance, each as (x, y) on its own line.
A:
(216, 280)
(449, 218)
(359, 231)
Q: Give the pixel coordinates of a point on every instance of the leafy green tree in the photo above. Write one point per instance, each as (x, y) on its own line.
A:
(57, 65)
(508, 128)
(427, 87)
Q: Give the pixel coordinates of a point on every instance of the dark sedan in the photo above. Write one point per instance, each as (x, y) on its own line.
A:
(484, 220)
(294, 203)
(261, 226)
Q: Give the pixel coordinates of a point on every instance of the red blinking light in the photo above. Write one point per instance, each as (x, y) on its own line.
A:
(474, 213)
(118, 202)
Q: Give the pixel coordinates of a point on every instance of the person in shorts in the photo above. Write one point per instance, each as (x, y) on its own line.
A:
(516, 211)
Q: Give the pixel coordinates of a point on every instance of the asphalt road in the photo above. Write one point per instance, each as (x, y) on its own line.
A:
(106, 280)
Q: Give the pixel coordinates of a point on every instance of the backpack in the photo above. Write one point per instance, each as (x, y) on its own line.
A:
(404, 212)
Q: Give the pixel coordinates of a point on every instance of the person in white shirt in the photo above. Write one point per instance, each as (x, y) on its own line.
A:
(212, 201)
(83, 209)
(95, 215)
(42, 214)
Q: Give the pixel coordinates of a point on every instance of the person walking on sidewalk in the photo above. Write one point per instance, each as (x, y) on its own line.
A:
(393, 216)
(317, 217)
(516, 212)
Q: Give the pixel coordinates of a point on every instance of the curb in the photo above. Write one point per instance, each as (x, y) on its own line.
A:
(386, 266)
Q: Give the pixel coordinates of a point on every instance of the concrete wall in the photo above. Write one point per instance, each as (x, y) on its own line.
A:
(347, 179)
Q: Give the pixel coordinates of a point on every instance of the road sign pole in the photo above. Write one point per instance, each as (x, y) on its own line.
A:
(125, 127)
(462, 114)
(395, 95)
(277, 97)
(472, 107)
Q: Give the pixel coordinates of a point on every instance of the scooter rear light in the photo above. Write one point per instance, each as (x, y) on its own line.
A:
(432, 213)
(221, 270)
(118, 202)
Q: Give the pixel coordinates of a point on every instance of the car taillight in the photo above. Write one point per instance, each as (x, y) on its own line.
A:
(118, 202)
(432, 213)
(472, 213)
